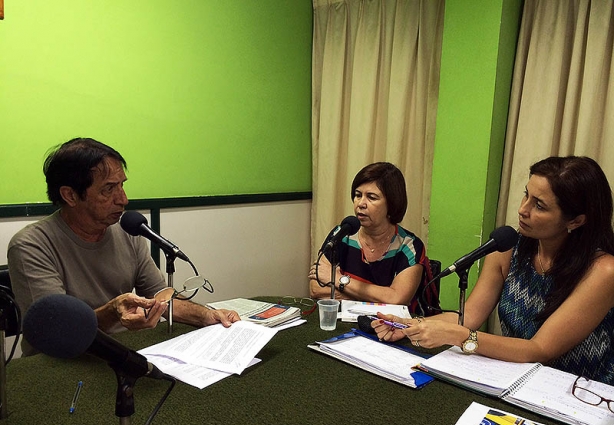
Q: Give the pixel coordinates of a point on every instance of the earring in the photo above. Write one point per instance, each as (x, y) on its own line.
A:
(568, 230)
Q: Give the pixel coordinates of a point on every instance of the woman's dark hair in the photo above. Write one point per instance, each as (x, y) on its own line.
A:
(73, 163)
(391, 182)
(580, 187)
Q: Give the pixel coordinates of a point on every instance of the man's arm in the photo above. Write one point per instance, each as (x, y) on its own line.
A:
(198, 315)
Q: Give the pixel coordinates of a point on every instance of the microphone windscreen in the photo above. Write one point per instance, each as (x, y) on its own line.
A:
(364, 324)
(353, 222)
(131, 222)
(60, 325)
(505, 237)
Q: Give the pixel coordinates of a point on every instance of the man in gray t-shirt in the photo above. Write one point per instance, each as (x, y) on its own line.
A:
(80, 250)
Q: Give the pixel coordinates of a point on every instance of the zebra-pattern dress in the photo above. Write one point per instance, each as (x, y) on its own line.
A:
(524, 296)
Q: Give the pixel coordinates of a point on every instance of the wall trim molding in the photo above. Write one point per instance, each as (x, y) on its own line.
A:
(156, 204)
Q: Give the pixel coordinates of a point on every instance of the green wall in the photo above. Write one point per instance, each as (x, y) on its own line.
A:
(201, 97)
(211, 97)
(476, 69)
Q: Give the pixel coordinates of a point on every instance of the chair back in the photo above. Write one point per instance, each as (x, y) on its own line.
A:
(436, 269)
(9, 319)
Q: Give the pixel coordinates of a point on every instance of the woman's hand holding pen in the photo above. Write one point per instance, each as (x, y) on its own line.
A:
(390, 328)
(421, 332)
(385, 329)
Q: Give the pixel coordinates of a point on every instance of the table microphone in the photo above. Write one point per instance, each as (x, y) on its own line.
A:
(364, 324)
(135, 223)
(501, 239)
(349, 226)
(63, 326)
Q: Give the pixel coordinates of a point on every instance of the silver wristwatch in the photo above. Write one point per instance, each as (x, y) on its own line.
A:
(343, 282)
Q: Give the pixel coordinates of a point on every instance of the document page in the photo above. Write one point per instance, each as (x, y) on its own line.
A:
(375, 354)
(350, 310)
(197, 376)
(550, 389)
(474, 371)
(244, 306)
(216, 347)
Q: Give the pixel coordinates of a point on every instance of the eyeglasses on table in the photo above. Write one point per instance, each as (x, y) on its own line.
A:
(587, 396)
(307, 305)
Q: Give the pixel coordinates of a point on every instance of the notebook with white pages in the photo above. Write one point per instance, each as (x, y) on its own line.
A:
(533, 386)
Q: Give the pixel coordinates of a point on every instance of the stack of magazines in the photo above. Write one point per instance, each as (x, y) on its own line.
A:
(266, 314)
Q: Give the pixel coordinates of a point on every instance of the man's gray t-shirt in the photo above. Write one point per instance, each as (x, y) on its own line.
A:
(47, 257)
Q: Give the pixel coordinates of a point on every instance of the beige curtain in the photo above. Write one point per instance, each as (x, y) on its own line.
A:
(562, 99)
(375, 86)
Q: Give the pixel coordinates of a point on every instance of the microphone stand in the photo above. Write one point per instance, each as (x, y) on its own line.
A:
(463, 276)
(334, 261)
(124, 401)
(170, 270)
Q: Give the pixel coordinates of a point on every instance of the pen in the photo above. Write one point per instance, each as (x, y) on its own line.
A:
(389, 323)
(73, 405)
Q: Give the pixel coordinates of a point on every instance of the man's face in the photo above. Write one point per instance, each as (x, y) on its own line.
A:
(105, 199)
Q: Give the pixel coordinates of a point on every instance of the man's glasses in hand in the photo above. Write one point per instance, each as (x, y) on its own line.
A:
(581, 392)
(190, 288)
(307, 305)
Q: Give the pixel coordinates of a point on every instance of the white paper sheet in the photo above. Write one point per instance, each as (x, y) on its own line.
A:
(216, 347)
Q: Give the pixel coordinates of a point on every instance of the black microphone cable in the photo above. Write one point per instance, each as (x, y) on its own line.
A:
(430, 308)
(317, 274)
(154, 412)
(12, 304)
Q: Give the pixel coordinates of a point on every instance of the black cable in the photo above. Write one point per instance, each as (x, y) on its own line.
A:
(429, 307)
(193, 268)
(12, 303)
(173, 381)
(317, 274)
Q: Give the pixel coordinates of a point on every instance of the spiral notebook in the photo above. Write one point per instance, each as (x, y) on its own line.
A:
(532, 386)
(390, 361)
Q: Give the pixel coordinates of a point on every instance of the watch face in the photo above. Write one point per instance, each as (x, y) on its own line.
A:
(470, 346)
(344, 279)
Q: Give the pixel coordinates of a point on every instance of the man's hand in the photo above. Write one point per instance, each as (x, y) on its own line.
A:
(135, 312)
(223, 316)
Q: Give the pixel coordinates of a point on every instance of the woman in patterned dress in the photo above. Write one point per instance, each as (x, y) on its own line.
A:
(554, 289)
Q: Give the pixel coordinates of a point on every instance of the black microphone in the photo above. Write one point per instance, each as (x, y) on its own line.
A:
(135, 224)
(364, 324)
(348, 226)
(63, 326)
(501, 239)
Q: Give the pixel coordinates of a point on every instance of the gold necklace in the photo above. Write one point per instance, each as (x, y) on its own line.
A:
(376, 246)
(539, 259)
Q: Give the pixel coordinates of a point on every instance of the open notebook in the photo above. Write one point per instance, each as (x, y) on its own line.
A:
(391, 361)
(533, 386)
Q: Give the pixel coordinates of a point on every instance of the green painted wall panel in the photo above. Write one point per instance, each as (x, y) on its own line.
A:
(477, 56)
(201, 97)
